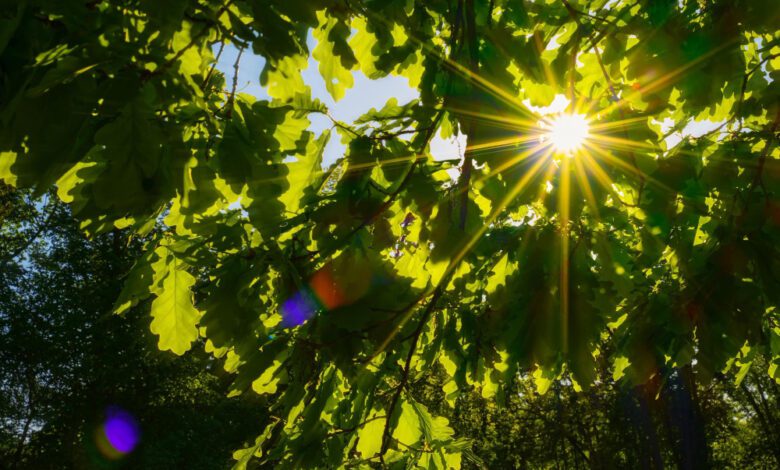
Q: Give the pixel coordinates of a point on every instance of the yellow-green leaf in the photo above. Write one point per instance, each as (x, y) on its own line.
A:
(175, 318)
(370, 438)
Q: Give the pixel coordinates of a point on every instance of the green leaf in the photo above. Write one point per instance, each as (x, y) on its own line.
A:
(620, 365)
(334, 55)
(270, 378)
(407, 429)
(144, 279)
(370, 438)
(7, 160)
(174, 317)
(284, 79)
(628, 259)
(304, 173)
(243, 456)
(543, 380)
(434, 428)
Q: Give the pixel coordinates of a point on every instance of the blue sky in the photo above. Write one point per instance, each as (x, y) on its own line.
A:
(367, 94)
(364, 95)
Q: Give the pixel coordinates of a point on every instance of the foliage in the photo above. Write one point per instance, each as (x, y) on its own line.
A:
(614, 425)
(334, 289)
(65, 359)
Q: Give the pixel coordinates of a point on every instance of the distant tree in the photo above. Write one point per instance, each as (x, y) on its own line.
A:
(66, 358)
(612, 425)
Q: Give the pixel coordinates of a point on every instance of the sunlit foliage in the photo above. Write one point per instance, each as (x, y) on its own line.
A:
(335, 288)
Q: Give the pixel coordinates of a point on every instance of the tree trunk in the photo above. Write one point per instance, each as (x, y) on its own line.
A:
(683, 407)
(650, 441)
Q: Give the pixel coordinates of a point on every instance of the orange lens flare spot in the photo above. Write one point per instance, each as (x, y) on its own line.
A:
(324, 287)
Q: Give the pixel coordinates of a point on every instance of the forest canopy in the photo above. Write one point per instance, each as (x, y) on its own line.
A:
(574, 249)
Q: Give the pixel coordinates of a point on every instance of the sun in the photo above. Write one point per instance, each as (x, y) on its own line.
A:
(567, 132)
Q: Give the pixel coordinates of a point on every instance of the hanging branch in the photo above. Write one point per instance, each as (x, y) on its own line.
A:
(758, 177)
(231, 99)
(466, 168)
(407, 369)
(573, 70)
(206, 80)
(195, 39)
(573, 13)
(394, 195)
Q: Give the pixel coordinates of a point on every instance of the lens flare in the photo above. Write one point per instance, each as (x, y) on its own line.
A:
(324, 286)
(298, 308)
(119, 434)
(324, 292)
(567, 132)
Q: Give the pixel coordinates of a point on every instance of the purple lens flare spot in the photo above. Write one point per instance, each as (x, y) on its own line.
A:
(121, 429)
(297, 309)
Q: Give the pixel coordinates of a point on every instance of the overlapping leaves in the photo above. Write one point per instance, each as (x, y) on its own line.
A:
(333, 288)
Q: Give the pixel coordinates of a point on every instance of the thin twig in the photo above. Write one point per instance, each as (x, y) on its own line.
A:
(392, 197)
(758, 177)
(206, 80)
(231, 99)
(743, 89)
(615, 98)
(353, 428)
(41, 228)
(407, 369)
(466, 167)
(195, 39)
(573, 70)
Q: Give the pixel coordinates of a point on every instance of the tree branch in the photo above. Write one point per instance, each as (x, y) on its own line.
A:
(393, 195)
(467, 166)
(231, 99)
(206, 80)
(758, 177)
(353, 428)
(194, 40)
(594, 41)
(407, 369)
(40, 230)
